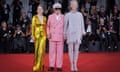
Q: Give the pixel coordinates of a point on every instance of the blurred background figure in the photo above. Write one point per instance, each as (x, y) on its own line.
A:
(112, 36)
(20, 12)
(29, 40)
(34, 4)
(24, 21)
(19, 39)
(6, 8)
(17, 7)
(101, 32)
(4, 36)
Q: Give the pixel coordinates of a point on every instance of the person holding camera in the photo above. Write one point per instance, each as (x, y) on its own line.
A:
(101, 33)
(19, 41)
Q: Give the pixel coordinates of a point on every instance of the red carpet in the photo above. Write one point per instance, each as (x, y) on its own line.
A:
(88, 62)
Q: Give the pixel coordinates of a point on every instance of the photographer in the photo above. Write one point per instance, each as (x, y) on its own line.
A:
(112, 36)
(4, 37)
(89, 37)
(101, 33)
(24, 21)
(19, 40)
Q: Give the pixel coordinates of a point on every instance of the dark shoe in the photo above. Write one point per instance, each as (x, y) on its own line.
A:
(93, 43)
(59, 69)
(51, 69)
(75, 71)
(42, 69)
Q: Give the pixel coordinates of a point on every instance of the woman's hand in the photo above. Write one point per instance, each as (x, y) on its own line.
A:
(49, 36)
(33, 39)
(65, 37)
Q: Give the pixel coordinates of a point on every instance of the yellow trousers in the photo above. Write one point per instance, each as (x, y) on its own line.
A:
(40, 44)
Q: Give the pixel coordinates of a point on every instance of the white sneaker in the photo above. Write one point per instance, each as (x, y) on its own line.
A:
(75, 68)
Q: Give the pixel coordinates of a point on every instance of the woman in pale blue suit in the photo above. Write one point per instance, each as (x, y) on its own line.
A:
(74, 30)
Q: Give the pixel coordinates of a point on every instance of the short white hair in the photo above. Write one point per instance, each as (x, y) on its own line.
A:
(57, 5)
(75, 2)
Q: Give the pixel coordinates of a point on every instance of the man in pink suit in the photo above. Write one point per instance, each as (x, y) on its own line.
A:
(55, 33)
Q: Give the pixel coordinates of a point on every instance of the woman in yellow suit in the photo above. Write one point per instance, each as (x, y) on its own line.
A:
(39, 37)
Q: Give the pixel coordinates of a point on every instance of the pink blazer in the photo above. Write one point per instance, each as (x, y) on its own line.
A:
(55, 28)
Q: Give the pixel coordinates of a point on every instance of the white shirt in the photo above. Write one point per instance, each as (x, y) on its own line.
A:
(58, 17)
(41, 19)
(89, 28)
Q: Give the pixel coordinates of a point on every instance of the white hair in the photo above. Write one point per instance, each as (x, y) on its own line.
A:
(75, 2)
(57, 5)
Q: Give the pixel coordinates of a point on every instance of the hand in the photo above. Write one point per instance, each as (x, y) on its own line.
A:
(81, 37)
(25, 20)
(90, 33)
(110, 30)
(98, 31)
(4, 35)
(48, 36)
(34, 39)
(65, 37)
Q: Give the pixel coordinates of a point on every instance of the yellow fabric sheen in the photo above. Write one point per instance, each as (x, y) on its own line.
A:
(39, 34)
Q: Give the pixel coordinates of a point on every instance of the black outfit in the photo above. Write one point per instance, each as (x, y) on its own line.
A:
(49, 2)
(85, 17)
(102, 37)
(1, 13)
(24, 23)
(4, 41)
(81, 3)
(94, 22)
(19, 42)
(116, 21)
(89, 37)
(30, 45)
(34, 7)
(16, 11)
(110, 5)
(64, 6)
(112, 37)
(103, 15)
(10, 40)
(93, 2)
(6, 12)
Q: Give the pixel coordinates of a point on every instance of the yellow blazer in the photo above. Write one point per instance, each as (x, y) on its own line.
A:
(38, 28)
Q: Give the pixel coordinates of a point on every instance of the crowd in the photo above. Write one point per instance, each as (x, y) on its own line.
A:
(101, 25)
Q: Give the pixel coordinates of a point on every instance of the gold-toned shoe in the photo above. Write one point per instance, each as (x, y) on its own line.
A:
(35, 68)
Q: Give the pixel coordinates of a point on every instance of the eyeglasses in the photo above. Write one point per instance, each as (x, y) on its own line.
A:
(57, 8)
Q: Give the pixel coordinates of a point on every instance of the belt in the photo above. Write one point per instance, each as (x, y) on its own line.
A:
(38, 25)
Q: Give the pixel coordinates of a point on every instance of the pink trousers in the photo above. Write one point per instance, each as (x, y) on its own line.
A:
(56, 53)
